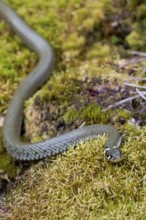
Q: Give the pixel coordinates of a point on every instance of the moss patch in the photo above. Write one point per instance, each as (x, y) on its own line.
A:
(7, 165)
(81, 184)
(70, 99)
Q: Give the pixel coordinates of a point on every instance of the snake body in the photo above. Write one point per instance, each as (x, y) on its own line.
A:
(41, 73)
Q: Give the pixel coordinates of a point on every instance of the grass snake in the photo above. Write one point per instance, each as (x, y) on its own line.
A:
(13, 119)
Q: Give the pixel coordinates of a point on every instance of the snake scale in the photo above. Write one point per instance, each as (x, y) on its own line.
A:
(13, 120)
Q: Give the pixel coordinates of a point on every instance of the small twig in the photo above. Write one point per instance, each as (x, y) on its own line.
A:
(132, 61)
(144, 70)
(137, 79)
(144, 93)
(136, 53)
(120, 102)
(137, 90)
(135, 93)
(136, 86)
(82, 124)
(140, 94)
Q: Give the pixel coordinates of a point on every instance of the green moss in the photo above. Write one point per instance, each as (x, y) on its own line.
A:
(90, 114)
(135, 40)
(74, 41)
(133, 4)
(99, 50)
(81, 184)
(70, 116)
(89, 15)
(67, 30)
(15, 63)
(93, 114)
(141, 11)
(115, 40)
(130, 128)
(7, 165)
(122, 114)
(62, 87)
(68, 97)
(1, 143)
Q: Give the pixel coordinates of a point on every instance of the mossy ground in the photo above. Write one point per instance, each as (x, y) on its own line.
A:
(80, 184)
(88, 38)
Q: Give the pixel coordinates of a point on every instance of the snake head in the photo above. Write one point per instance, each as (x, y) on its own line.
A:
(113, 154)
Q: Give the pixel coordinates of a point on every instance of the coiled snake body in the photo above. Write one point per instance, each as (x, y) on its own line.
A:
(14, 116)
